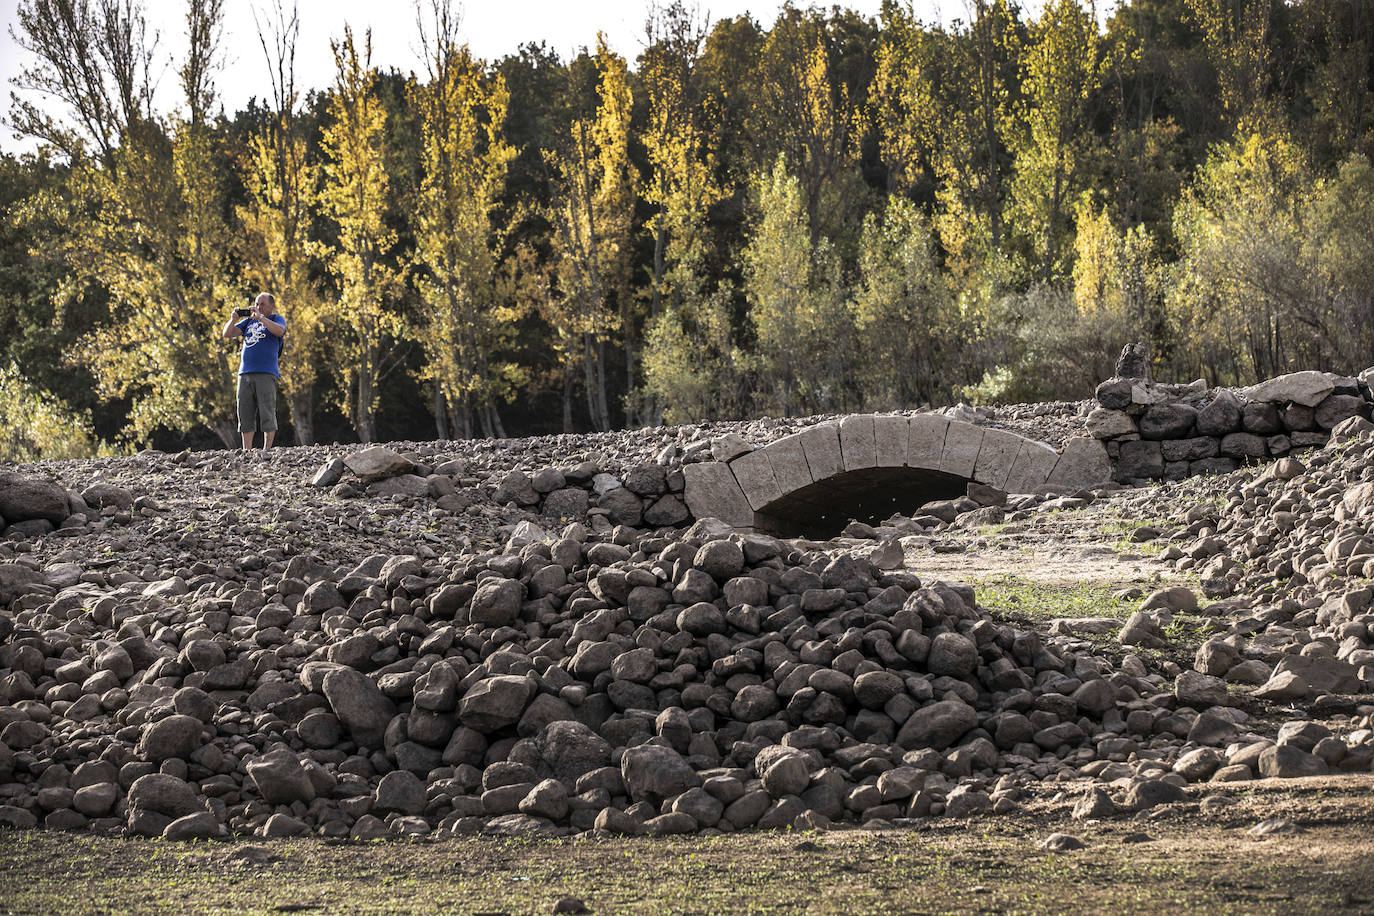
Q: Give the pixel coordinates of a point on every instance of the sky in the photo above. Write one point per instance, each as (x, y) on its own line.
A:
(491, 29)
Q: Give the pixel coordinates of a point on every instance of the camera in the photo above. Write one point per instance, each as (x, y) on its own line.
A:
(242, 313)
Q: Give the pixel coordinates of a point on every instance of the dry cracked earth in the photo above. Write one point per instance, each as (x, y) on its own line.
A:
(212, 646)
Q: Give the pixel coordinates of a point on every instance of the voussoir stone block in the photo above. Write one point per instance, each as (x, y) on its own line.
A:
(1083, 463)
(963, 441)
(857, 442)
(712, 491)
(821, 444)
(755, 475)
(995, 457)
(926, 441)
(891, 434)
(1033, 466)
(788, 459)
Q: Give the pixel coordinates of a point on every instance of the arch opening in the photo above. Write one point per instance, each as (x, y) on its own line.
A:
(871, 495)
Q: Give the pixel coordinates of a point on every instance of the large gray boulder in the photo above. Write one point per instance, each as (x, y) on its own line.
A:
(652, 773)
(15, 580)
(163, 794)
(359, 705)
(937, 725)
(103, 495)
(496, 702)
(1308, 388)
(572, 749)
(24, 498)
(497, 602)
(280, 778)
(377, 463)
(176, 736)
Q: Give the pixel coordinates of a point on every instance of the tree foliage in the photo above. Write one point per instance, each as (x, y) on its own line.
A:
(815, 213)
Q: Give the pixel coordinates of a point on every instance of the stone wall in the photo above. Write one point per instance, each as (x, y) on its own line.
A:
(1154, 431)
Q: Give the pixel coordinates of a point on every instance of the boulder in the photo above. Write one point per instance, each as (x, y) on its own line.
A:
(163, 794)
(280, 778)
(360, 706)
(378, 462)
(937, 725)
(24, 498)
(1307, 388)
(652, 773)
(494, 703)
(176, 736)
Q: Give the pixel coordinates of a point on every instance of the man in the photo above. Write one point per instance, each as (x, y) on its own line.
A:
(262, 332)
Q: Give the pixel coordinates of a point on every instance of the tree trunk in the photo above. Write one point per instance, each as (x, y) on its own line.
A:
(596, 393)
(496, 424)
(303, 415)
(363, 423)
(440, 410)
(228, 433)
(602, 401)
(567, 401)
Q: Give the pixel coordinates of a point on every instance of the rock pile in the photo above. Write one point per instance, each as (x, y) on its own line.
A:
(1154, 431)
(1292, 543)
(615, 678)
(632, 683)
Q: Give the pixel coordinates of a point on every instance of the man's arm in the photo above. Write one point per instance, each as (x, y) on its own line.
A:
(275, 328)
(231, 327)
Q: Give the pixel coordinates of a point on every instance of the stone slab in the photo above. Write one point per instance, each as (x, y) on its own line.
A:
(821, 444)
(926, 442)
(755, 475)
(1033, 466)
(891, 434)
(788, 458)
(996, 456)
(857, 442)
(1083, 463)
(713, 492)
(963, 441)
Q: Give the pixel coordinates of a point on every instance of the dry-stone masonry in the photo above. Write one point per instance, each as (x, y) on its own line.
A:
(1155, 431)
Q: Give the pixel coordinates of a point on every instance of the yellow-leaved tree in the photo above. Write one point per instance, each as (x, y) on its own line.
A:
(592, 213)
(282, 184)
(691, 366)
(355, 197)
(148, 226)
(1063, 68)
(469, 315)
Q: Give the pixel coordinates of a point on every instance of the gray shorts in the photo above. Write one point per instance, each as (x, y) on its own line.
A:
(257, 402)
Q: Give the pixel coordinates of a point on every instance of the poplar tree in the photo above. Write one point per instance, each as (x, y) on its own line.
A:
(356, 196)
(468, 318)
(903, 310)
(796, 305)
(1063, 68)
(281, 179)
(690, 361)
(592, 216)
(152, 234)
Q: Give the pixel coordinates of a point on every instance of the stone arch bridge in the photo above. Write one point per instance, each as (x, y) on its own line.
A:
(868, 466)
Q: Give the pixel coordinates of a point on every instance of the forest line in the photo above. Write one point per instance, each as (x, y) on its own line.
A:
(826, 213)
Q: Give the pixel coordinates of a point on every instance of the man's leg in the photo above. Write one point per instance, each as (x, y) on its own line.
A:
(248, 412)
(265, 388)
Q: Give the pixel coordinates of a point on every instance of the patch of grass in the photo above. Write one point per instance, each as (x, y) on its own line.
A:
(947, 867)
(1044, 601)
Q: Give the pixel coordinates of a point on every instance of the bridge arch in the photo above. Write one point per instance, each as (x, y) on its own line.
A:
(869, 466)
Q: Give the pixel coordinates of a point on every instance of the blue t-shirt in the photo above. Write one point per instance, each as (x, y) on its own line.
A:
(261, 347)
